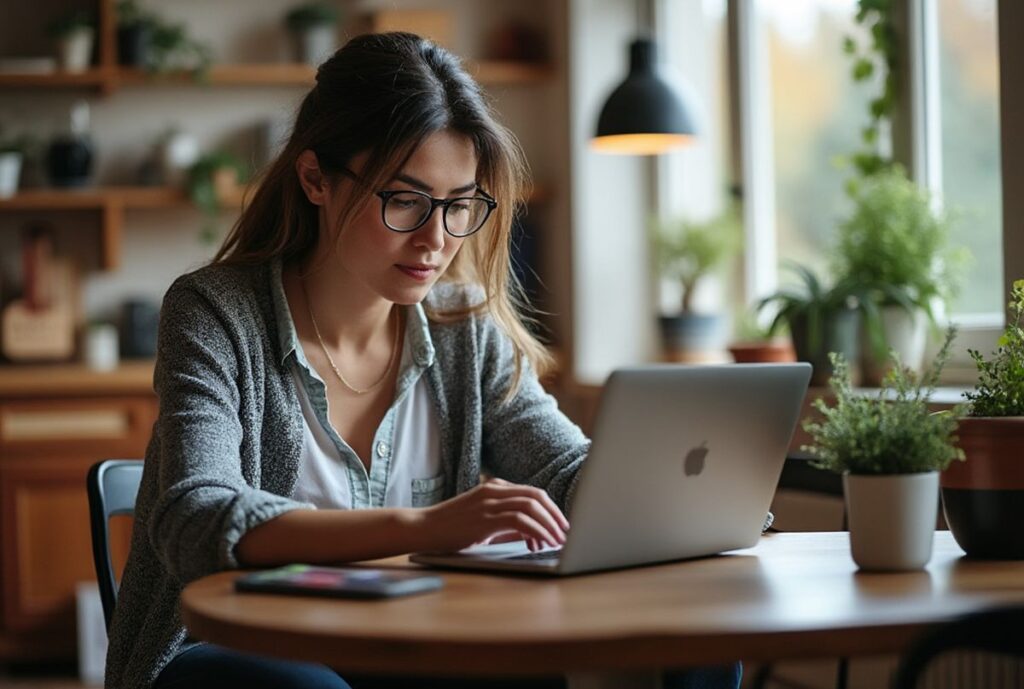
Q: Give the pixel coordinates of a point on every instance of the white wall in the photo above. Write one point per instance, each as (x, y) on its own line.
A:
(614, 320)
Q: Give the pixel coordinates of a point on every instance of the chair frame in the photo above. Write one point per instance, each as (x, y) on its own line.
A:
(112, 485)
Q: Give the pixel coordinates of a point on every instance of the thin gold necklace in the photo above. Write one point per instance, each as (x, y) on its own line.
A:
(391, 359)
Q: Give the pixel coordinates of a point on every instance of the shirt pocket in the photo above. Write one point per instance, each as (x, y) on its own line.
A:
(427, 491)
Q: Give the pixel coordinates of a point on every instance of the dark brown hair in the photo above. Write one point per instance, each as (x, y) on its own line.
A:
(384, 94)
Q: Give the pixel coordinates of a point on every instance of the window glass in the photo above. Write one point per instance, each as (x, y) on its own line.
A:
(971, 181)
(818, 112)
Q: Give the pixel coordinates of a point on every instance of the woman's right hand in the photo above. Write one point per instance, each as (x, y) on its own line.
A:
(493, 509)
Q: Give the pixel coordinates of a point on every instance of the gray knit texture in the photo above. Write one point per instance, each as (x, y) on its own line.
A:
(224, 453)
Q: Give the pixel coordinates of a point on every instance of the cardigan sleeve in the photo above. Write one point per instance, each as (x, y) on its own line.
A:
(526, 439)
(204, 501)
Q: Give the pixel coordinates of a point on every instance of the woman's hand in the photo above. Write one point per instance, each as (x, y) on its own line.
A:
(490, 513)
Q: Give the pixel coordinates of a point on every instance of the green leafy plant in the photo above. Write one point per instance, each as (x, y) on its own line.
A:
(895, 247)
(171, 49)
(1000, 388)
(72, 22)
(310, 14)
(688, 251)
(129, 13)
(811, 301)
(202, 186)
(890, 431)
(13, 144)
(879, 55)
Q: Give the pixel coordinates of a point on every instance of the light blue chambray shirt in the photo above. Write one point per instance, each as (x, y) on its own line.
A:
(405, 470)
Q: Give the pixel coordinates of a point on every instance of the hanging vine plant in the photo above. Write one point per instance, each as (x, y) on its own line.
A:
(879, 55)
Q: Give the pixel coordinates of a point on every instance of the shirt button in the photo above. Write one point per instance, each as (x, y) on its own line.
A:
(382, 449)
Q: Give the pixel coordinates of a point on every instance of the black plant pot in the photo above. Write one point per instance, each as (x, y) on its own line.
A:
(839, 333)
(133, 43)
(69, 162)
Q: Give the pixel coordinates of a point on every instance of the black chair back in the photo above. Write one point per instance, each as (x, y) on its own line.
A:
(112, 486)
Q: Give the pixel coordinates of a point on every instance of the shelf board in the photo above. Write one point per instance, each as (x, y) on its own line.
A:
(271, 74)
(94, 77)
(489, 72)
(98, 197)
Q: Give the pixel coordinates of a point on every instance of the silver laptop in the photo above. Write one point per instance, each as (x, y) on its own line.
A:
(684, 463)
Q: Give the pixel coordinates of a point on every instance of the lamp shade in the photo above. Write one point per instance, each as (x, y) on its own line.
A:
(645, 115)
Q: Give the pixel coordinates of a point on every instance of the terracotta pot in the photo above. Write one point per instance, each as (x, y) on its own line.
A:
(983, 497)
(758, 352)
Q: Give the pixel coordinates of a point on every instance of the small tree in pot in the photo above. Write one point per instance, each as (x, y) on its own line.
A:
(687, 252)
(313, 28)
(983, 499)
(890, 448)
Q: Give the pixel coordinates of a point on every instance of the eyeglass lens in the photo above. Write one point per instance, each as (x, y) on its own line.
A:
(408, 210)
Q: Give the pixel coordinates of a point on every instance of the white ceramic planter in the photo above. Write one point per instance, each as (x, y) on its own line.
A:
(10, 171)
(74, 51)
(316, 44)
(906, 332)
(891, 519)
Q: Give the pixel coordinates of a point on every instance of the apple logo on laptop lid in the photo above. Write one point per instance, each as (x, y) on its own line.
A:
(693, 463)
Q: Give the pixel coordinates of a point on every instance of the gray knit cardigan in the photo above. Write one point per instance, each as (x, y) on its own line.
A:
(224, 453)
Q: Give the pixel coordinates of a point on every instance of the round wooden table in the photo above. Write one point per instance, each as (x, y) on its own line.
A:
(795, 595)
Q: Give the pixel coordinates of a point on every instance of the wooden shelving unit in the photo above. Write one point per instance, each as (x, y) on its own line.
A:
(111, 203)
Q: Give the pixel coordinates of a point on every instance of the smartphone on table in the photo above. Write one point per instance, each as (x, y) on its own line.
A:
(338, 582)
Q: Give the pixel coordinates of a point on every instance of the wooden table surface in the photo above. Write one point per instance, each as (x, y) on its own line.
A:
(794, 595)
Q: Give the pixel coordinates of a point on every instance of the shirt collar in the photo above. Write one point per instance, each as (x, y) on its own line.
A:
(417, 326)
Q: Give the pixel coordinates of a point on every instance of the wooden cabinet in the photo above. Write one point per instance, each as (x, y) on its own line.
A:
(48, 441)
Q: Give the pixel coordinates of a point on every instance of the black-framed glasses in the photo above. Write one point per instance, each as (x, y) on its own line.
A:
(407, 210)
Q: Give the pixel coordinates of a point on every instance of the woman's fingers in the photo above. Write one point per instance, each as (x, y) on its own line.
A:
(536, 510)
(500, 487)
(526, 525)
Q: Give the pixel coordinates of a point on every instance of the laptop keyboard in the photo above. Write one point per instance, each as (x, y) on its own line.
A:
(539, 555)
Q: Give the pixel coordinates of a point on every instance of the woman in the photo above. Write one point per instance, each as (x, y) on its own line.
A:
(324, 395)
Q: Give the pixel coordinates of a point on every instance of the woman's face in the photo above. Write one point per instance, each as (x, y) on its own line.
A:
(402, 266)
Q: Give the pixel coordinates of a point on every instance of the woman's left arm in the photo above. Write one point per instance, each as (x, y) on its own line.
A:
(526, 439)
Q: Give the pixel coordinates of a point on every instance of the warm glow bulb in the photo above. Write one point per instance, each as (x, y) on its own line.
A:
(639, 144)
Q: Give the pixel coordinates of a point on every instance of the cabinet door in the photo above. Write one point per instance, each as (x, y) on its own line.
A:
(47, 545)
(46, 449)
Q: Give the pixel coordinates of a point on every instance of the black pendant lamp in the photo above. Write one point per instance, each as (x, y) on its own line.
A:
(645, 115)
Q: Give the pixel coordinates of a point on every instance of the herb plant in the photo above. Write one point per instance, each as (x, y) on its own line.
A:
(890, 431)
(895, 246)
(1000, 388)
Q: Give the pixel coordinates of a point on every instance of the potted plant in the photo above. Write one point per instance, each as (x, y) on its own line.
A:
(895, 247)
(756, 344)
(171, 49)
(889, 447)
(12, 153)
(213, 180)
(983, 498)
(313, 27)
(75, 33)
(134, 34)
(687, 252)
(820, 320)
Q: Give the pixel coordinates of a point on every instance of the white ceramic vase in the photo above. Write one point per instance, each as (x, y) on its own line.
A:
(74, 51)
(10, 171)
(891, 519)
(906, 332)
(316, 43)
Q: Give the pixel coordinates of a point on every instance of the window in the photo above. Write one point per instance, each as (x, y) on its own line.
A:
(968, 82)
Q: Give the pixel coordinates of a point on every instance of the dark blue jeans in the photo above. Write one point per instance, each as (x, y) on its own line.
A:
(212, 667)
